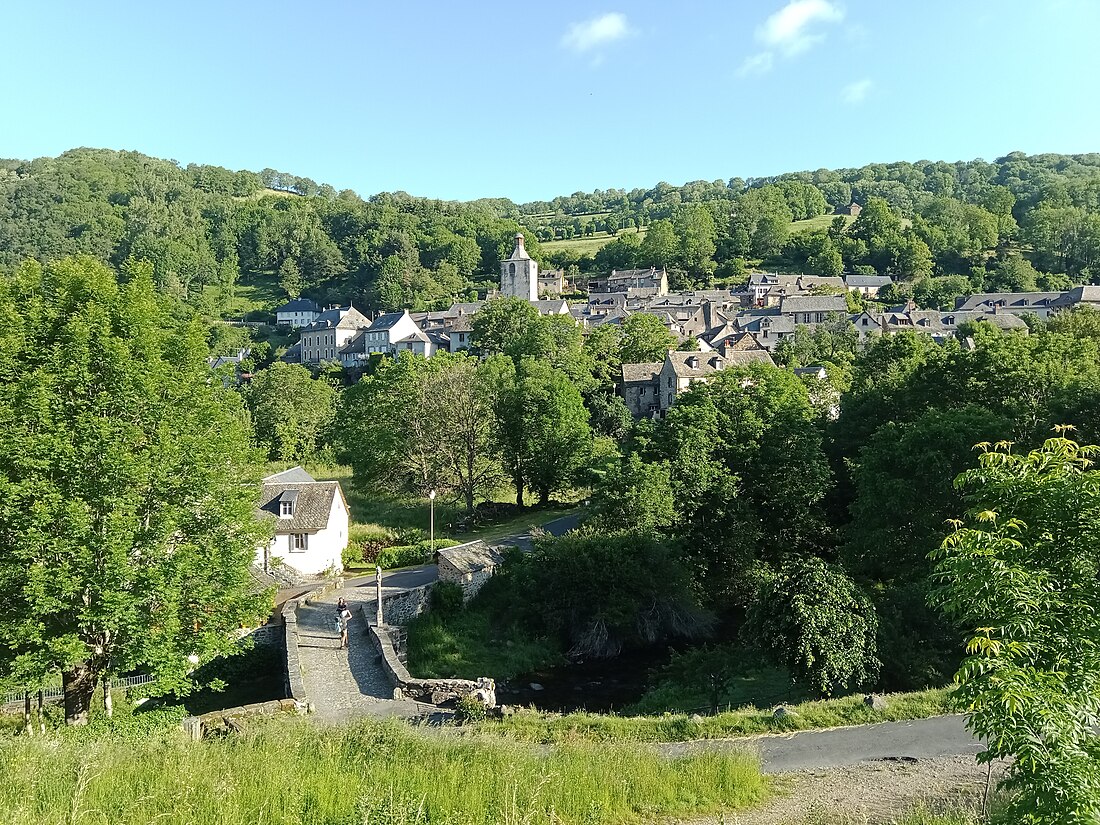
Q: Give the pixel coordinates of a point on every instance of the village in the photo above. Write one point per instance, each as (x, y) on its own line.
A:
(715, 328)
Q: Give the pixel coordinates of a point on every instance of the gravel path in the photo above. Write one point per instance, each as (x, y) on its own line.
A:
(838, 747)
(345, 684)
(871, 793)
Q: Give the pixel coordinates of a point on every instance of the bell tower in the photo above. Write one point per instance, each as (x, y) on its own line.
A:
(519, 274)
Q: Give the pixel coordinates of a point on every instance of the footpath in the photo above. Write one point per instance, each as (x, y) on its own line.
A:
(346, 684)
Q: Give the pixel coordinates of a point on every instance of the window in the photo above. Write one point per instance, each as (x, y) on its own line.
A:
(864, 322)
(670, 381)
(286, 509)
(512, 270)
(298, 542)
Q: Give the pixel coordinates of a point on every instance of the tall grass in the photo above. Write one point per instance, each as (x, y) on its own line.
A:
(529, 726)
(285, 774)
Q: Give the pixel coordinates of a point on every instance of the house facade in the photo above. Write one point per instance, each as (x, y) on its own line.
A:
(310, 520)
(639, 389)
(300, 312)
(322, 340)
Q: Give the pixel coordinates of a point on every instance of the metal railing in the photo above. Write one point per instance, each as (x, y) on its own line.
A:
(54, 694)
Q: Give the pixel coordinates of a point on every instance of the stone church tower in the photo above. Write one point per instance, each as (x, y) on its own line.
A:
(519, 275)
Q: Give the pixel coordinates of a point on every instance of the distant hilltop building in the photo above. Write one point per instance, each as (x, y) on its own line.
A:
(519, 275)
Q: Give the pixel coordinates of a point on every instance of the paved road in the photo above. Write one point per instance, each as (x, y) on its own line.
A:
(557, 527)
(893, 741)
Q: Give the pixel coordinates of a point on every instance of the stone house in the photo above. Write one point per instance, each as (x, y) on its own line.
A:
(1041, 304)
(867, 285)
(853, 209)
(300, 312)
(310, 521)
(809, 310)
(468, 565)
(459, 333)
(333, 329)
(652, 281)
(639, 389)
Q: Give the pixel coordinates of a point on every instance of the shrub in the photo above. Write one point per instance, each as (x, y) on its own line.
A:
(353, 555)
(446, 599)
(470, 709)
(401, 555)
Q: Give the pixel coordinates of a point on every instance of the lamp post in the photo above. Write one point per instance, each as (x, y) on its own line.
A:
(431, 504)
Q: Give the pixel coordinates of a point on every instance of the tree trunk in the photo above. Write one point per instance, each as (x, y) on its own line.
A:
(79, 684)
(469, 500)
(108, 700)
(519, 490)
(28, 725)
(41, 715)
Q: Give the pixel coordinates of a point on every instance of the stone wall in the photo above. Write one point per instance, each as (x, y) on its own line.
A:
(433, 691)
(230, 718)
(402, 608)
(470, 583)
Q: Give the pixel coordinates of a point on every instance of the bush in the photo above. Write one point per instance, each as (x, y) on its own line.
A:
(470, 709)
(353, 556)
(446, 599)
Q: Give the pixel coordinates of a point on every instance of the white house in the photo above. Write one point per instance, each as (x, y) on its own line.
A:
(311, 523)
(322, 340)
(388, 334)
(300, 312)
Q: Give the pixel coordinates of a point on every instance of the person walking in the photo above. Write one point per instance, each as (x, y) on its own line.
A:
(344, 618)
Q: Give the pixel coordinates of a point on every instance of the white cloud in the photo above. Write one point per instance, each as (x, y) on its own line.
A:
(789, 29)
(856, 92)
(756, 64)
(589, 34)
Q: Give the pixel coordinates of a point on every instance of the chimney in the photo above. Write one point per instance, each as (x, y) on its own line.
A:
(519, 240)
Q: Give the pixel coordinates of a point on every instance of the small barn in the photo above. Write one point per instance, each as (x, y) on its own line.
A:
(468, 565)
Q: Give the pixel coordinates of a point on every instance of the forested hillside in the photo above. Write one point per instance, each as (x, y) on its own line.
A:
(943, 229)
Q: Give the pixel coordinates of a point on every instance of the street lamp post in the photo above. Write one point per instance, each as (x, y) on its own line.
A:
(431, 500)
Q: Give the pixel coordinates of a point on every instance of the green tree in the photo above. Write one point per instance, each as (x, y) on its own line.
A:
(815, 621)
(660, 246)
(635, 495)
(505, 326)
(541, 423)
(1022, 574)
(645, 339)
(291, 411)
(422, 424)
(128, 526)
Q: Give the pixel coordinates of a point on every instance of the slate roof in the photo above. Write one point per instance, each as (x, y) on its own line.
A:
(813, 303)
(299, 305)
(705, 362)
(461, 325)
(744, 357)
(868, 280)
(631, 274)
(312, 504)
(551, 307)
(295, 475)
(641, 373)
(341, 317)
(415, 335)
(468, 308)
(387, 321)
(471, 557)
(1008, 300)
(519, 253)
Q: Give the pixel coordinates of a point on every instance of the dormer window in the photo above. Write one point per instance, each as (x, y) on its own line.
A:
(286, 503)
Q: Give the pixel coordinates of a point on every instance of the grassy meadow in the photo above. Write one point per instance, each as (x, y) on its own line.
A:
(286, 773)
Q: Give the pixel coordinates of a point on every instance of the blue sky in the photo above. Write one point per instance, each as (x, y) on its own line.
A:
(528, 101)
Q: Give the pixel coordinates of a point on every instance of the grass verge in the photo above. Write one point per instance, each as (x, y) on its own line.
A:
(287, 773)
(531, 726)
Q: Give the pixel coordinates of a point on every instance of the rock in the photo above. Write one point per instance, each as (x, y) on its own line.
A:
(535, 686)
(875, 702)
(507, 710)
(782, 712)
(696, 719)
